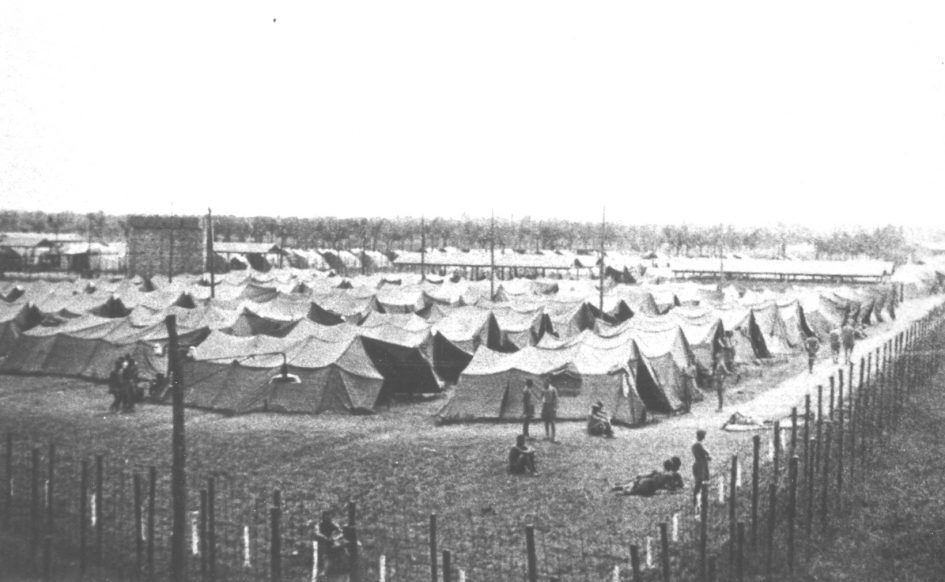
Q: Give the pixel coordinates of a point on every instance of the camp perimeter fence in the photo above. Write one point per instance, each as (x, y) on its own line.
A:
(777, 501)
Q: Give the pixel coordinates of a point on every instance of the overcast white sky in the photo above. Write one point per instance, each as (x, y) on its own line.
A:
(739, 112)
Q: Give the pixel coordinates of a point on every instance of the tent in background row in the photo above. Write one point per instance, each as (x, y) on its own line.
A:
(749, 342)
(14, 320)
(775, 332)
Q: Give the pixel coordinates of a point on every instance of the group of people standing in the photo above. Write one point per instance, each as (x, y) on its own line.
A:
(123, 385)
(549, 407)
(521, 456)
(843, 337)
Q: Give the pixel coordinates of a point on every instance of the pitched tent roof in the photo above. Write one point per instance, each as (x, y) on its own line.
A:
(468, 328)
(519, 326)
(403, 352)
(665, 350)
(772, 328)
(749, 342)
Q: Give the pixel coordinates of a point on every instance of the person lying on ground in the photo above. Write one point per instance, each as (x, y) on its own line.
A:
(668, 480)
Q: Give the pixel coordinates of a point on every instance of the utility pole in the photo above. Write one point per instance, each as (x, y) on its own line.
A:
(492, 258)
(721, 259)
(603, 230)
(170, 255)
(88, 251)
(423, 249)
(178, 463)
(210, 254)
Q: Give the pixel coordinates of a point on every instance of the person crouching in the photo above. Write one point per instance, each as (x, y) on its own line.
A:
(598, 423)
(521, 457)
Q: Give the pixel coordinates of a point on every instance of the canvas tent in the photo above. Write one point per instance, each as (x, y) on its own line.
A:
(335, 377)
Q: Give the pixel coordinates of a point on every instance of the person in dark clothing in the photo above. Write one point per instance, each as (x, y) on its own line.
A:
(650, 484)
(598, 423)
(718, 383)
(700, 466)
(811, 346)
(835, 345)
(549, 409)
(848, 339)
(331, 543)
(528, 406)
(115, 386)
(521, 457)
(129, 382)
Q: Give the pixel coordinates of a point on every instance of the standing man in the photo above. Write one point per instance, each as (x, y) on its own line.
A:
(549, 409)
(812, 346)
(718, 381)
(528, 406)
(700, 466)
(835, 345)
(848, 338)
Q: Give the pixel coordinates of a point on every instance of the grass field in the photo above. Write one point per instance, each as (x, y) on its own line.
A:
(399, 466)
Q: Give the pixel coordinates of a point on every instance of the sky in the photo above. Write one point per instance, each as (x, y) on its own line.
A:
(809, 112)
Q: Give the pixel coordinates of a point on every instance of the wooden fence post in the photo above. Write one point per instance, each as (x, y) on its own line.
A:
(830, 402)
(732, 508)
(203, 535)
(740, 561)
(664, 550)
(34, 506)
(635, 563)
(152, 486)
(530, 548)
(840, 452)
(99, 510)
(792, 511)
(447, 566)
(433, 552)
(139, 542)
(755, 454)
(703, 531)
(50, 490)
(793, 431)
(826, 479)
(8, 483)
(353, 554)
(772, 517)
(211, 530)
(275, 538)
(777, 449)
(83, 499)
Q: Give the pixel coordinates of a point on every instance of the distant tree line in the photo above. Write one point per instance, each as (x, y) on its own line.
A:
(523, 234)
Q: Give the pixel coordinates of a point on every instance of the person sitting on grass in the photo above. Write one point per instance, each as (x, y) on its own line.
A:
(521, 457)
(598, 423)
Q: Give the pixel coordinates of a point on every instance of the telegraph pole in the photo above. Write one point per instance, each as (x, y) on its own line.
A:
(603, 229)
(423, 249)
(170, 256)
(492, 258)
(178, 463)
(210, 254)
